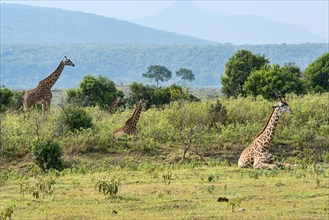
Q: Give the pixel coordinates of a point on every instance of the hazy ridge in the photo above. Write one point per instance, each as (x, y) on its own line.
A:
(22, 66)
(35, 39)
(39, 25)
(185, 17)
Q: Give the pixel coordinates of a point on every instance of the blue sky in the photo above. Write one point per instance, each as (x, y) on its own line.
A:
(309, 15)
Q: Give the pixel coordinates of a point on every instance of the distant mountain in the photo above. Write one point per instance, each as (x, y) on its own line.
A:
(30, 24)
(186, 18)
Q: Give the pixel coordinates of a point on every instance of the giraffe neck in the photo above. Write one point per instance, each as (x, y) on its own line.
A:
(113, 105)
(52, 78)
(267, 134)
(135, 117)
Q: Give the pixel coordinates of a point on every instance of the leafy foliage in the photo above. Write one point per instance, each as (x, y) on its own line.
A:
(108, 187)
(185, 74)
(318, 74)
(272, 81)
(94, 91)
(168, 130)
(74, 118)
(47, 155)
(5, 98)
(17, 100)
(167, 177)
(7, 213)
(237, 70)
(42, 186)
(157, 96)
(158, 73)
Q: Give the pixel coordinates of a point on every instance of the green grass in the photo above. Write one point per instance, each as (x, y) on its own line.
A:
(153, 183)
(192, 193)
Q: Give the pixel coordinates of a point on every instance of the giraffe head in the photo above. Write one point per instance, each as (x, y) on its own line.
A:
(282, 106)
(142, 103)
(67, 62)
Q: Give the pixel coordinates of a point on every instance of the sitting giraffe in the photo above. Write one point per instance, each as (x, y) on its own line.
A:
(130, 125)
(114, 104)
(257, 154)
(42, 93)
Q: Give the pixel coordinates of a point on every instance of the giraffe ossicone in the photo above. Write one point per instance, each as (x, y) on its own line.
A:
(42, 93)
(257, 154)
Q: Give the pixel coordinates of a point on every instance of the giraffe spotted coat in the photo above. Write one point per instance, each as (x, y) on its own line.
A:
(42, 93)
(130, 125)
(257, 155)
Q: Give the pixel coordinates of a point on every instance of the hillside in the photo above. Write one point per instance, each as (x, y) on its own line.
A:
(236, 29)
(23, 66)
(29, 24)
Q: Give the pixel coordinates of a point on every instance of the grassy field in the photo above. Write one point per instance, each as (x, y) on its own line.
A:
(154, 182)
(157, 191)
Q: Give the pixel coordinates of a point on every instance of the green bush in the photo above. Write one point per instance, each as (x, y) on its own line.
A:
(157, 96)
(94, 91)
(165, 132)
(108, 187)
(47, 155)
(5, 98)
(74, 118)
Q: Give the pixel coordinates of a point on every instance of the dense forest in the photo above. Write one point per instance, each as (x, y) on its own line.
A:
(22, 65)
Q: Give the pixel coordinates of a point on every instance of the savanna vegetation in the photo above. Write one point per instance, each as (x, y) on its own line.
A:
(68, 163)
(182, 161)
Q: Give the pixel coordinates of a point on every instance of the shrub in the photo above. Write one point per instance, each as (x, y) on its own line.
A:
(5, 98)
(7, 213)
(94, 91)
(108, 187)
(74, 118)
(17, 100)
(47, 155)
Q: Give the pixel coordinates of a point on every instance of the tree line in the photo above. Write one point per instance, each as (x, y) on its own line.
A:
(251, 74)
(124, 64)
(245, 74)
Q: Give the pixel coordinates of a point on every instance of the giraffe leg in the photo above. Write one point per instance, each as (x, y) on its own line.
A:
(259, 163)
(47, 101)
(28, 101)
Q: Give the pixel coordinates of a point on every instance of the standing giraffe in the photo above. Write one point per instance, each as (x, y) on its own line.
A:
(130, 125)
(257, 154)
(114, 104)
(42, 93)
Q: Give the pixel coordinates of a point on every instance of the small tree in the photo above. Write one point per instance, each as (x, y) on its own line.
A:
(237, 70)
(158, 73)
(47, 154)
(186, 74)
(318, 74)
(274, 80)
(17, 100)
(94, 91)
(5, 98)
(74, 118)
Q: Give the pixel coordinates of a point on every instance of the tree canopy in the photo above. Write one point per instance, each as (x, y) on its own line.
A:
(94, 91)
(272, 81)
(157, 96)
(318, 74)
(237, 70)
(158, 73)
(185, 74)
(5, 98)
